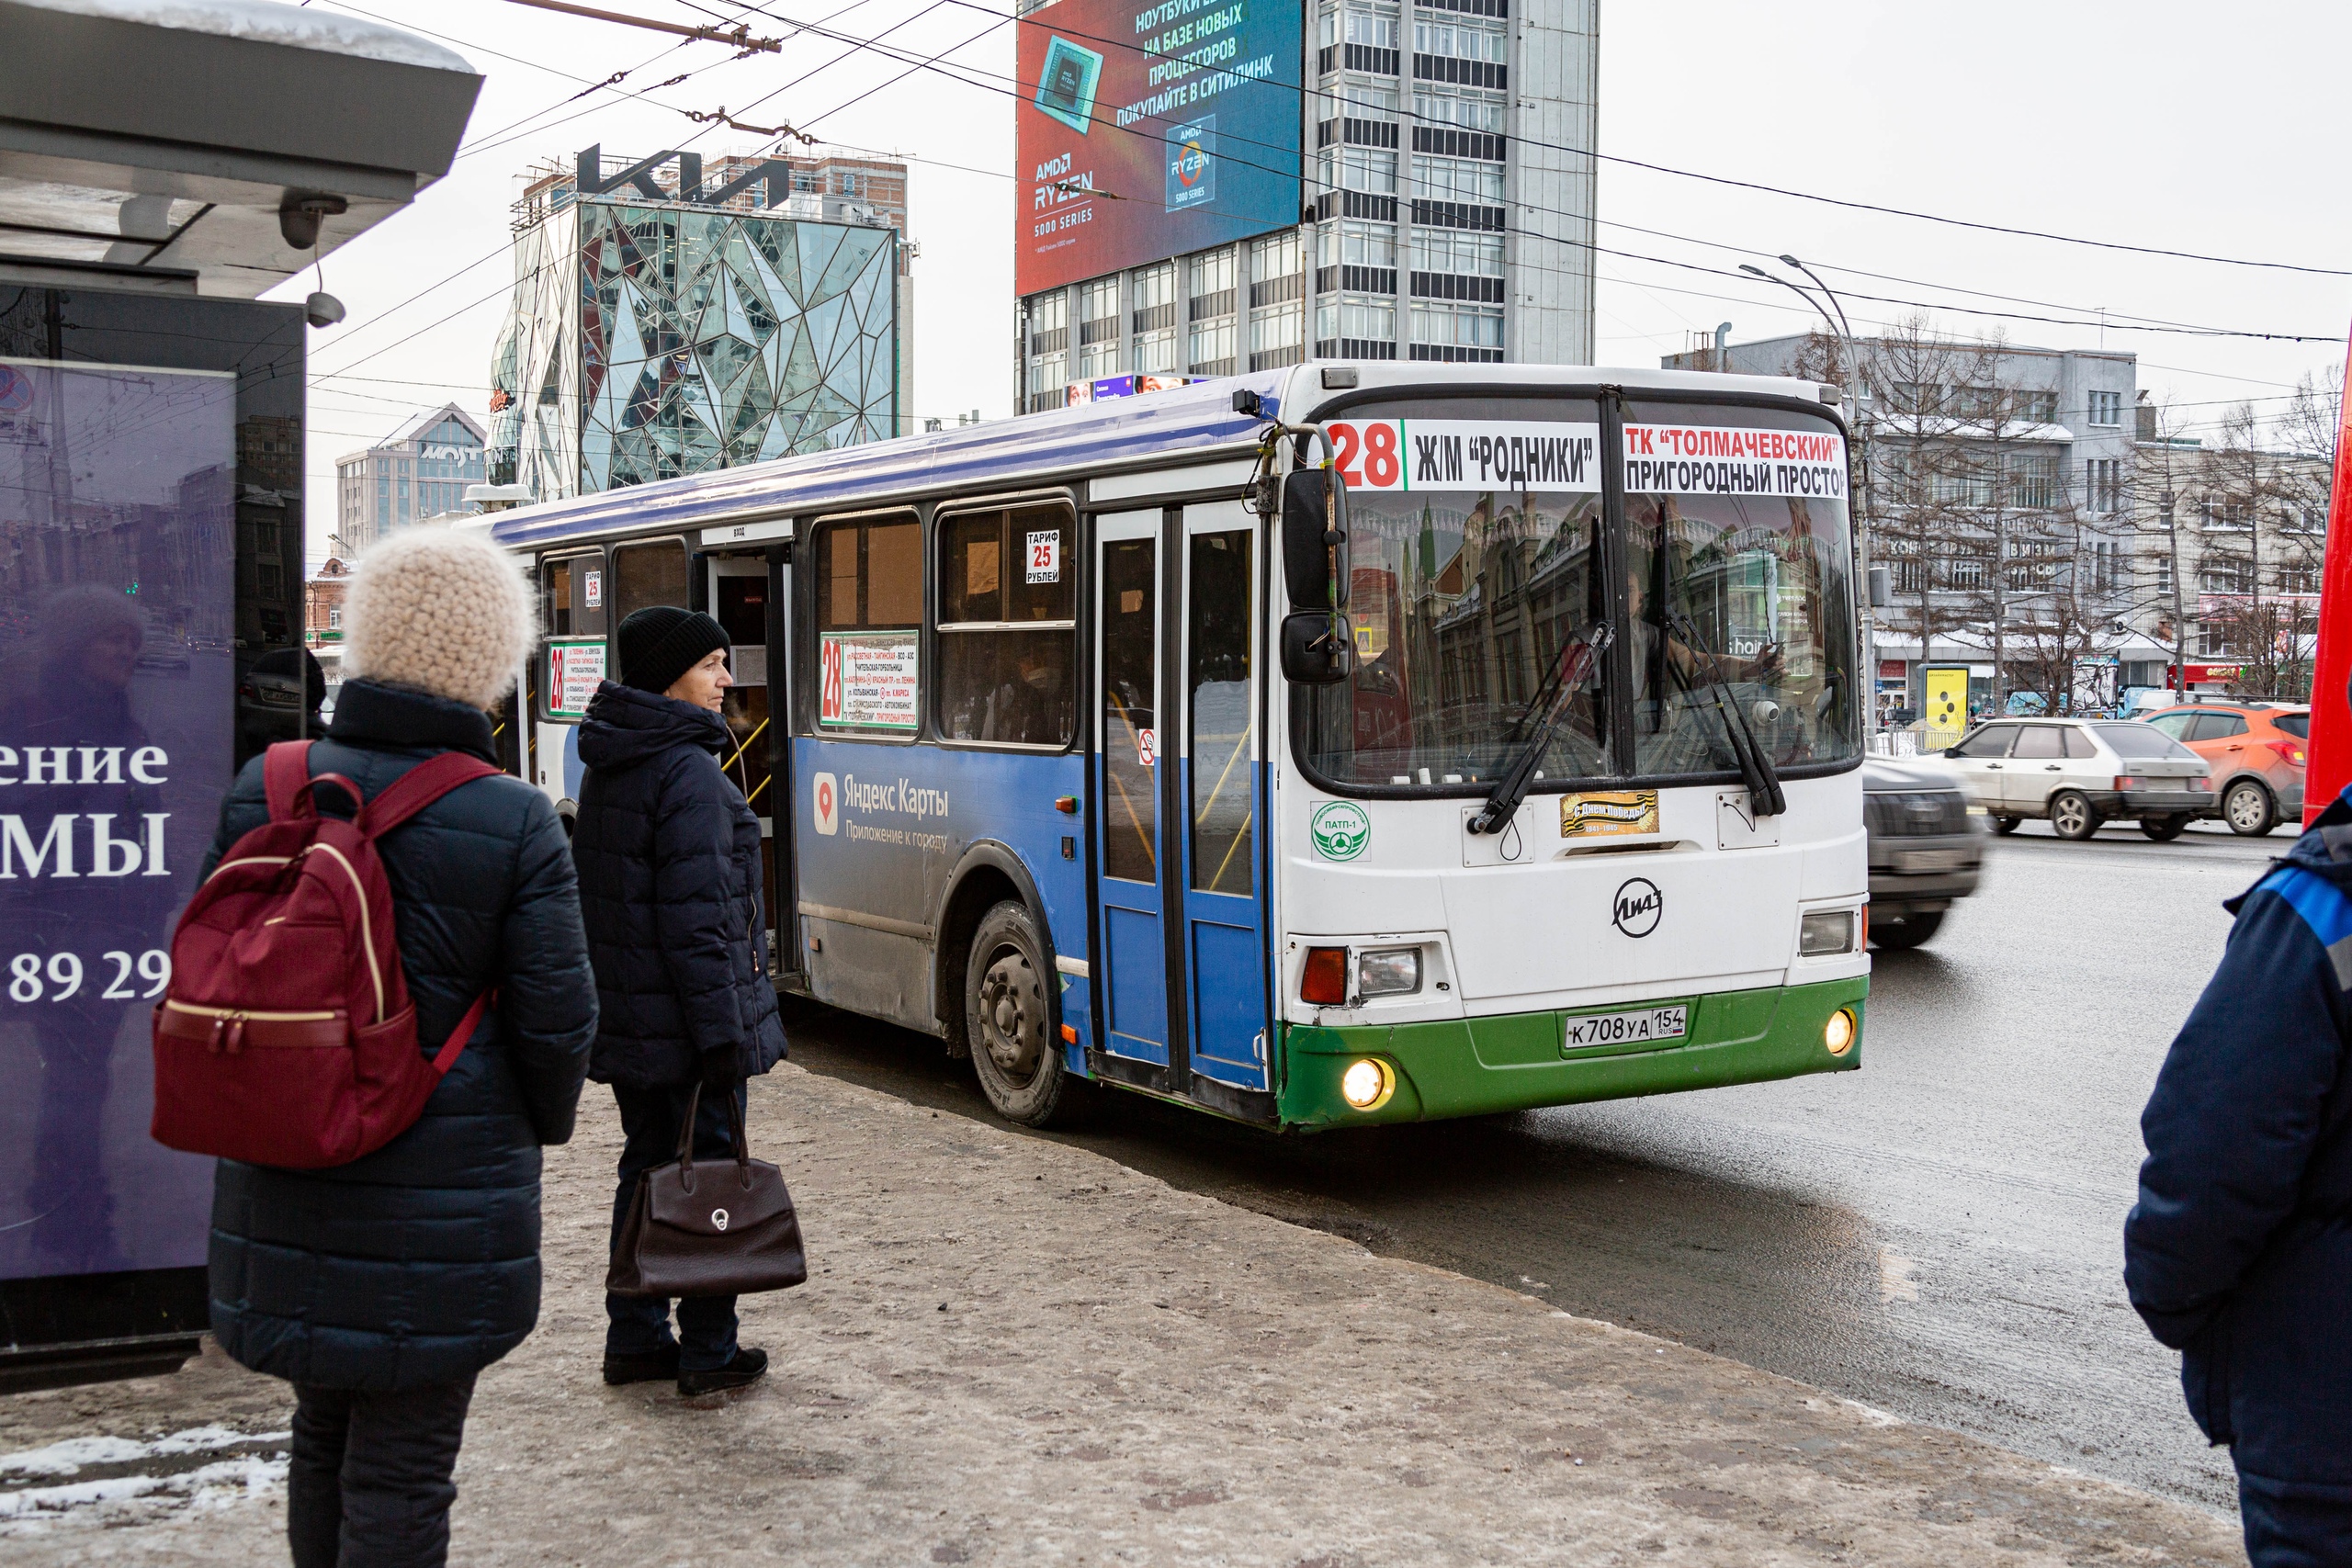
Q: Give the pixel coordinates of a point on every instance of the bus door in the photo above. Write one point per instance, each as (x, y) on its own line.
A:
(1220, 811)
(1127, 847)
(739, 588)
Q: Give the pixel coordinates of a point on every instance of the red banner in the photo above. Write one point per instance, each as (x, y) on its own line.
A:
(2331, 750)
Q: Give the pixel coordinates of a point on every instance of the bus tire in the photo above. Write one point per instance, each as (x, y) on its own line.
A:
(1009, 1012)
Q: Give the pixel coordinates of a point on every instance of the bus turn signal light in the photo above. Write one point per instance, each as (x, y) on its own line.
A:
(1066, 803)
(1324, 981)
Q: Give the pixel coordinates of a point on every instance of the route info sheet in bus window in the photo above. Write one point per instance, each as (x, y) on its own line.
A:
(867, 681)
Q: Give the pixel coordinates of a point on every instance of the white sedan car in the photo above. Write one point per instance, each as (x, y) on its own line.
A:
(2080, 772)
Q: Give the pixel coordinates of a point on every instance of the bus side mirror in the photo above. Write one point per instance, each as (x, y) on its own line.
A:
(1316, 650)
(1314, 540)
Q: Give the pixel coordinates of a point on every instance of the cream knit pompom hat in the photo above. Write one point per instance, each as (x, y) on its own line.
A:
(442, 610)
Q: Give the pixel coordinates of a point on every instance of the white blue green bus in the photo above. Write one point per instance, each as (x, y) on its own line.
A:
(1116, 746)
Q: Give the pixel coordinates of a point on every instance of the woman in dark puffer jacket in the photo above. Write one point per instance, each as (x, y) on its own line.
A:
(379, 1289)
(669, 857)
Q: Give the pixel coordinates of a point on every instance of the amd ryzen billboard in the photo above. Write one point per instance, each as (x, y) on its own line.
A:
(1146, 130)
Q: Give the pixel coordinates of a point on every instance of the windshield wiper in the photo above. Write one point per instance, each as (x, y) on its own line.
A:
(1756, 770)
(1579, 658)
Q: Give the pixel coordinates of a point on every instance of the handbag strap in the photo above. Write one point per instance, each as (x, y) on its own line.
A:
(735, 1124)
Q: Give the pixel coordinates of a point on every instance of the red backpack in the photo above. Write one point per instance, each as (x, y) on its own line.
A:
(287, 1037)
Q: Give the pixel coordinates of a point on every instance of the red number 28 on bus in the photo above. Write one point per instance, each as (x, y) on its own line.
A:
(1370, 453)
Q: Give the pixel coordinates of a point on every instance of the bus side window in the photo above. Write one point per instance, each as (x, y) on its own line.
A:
(868, 626)
(1007, 626)
(573, 658)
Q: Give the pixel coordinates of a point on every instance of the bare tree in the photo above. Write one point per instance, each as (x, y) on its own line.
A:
(2261, 512)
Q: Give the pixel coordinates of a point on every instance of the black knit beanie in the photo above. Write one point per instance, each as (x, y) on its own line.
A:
(661, 642)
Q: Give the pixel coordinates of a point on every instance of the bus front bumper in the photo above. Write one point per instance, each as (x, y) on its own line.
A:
(1514, 1061)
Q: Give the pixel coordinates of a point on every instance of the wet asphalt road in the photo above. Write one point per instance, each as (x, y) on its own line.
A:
(1938, 1236)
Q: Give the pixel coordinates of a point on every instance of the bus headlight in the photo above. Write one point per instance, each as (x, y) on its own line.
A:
(1367, 1084)
(1838, 1034)
(1388, 972)
(1827, 932)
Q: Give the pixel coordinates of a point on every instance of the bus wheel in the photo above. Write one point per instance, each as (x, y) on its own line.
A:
(1010, 1013)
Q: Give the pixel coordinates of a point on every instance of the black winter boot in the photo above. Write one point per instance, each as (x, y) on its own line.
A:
(748, 1367)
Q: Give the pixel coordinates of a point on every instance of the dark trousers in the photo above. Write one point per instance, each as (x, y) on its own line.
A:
(369, 1486)
(652, 1117)
(2295, 1524)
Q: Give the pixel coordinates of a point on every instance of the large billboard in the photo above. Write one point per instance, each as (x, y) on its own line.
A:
(118, 562)
(1151, 128)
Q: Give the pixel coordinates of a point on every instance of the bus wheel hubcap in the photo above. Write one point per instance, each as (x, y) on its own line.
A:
(1013, 1015)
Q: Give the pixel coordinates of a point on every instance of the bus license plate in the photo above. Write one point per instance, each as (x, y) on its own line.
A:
(1626, 1028)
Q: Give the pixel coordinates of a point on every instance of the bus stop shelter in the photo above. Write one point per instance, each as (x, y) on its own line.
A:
(161, 166)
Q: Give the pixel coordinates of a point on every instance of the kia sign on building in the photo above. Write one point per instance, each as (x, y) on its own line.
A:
(1148, 130)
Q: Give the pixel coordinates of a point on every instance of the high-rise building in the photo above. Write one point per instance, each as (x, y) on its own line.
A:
(672, 316)
(420, 471)
(1217, 191)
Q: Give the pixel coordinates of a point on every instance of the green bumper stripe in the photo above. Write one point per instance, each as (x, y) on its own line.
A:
(1514, 1061)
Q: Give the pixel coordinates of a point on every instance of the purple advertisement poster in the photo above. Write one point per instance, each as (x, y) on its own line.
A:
(117, 587)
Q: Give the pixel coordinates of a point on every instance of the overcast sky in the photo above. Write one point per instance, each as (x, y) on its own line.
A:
(2168, 126)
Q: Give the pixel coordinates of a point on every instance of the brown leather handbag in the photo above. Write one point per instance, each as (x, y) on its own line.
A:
(723, 1228)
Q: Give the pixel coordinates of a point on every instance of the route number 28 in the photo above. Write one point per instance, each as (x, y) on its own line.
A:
(64, 975)
(1369, 455)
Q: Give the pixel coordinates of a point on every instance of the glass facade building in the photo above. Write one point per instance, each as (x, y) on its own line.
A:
(651, 339)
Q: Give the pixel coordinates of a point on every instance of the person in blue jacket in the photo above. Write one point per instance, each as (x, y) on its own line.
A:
(670, 891)
(2239, 1251)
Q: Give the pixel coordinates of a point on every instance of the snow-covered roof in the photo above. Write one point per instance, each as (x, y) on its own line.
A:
(264, 21)
(1945, 427)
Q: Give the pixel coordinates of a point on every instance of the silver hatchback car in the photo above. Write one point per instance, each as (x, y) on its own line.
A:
(2078, 772)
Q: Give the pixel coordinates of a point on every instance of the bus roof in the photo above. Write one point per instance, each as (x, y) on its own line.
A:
(1183, 424)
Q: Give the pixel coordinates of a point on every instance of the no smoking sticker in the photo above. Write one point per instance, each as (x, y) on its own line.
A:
(1147, 747)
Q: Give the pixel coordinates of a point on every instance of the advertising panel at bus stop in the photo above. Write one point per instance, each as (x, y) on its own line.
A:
(1151, 128)
(118, 485)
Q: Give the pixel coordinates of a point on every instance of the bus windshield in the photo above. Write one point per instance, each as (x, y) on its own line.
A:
(1480, 550)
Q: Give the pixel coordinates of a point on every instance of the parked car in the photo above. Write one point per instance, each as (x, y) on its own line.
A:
(2078, 772)
(1926, 849)
(2256, 752)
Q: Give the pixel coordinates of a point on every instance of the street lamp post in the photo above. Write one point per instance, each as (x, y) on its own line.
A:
(1838, 324)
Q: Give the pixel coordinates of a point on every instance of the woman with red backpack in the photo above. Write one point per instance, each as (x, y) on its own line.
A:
(381, 1287)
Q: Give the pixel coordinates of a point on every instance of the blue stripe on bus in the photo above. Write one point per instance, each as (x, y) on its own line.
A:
(1004, 455)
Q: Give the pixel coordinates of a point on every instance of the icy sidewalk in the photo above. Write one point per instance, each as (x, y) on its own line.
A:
(1015, 1352)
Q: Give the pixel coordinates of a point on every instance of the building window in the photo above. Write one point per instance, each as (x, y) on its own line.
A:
(1357, 244)
(1211, 340)
(1457, 250)
(1007, 628)
(1369, 169)
(2164, 572)
(1357, 25)
(1469, 181)
(1209, 347)
(2218, 516)
(1462, 110)
(1457, 333)
(2225, 577)
(1098, 328)
(1462, 38)
(1910, 573)
(2300, 578)
(2107, 408)
(2103, 484)
(2034, 479)
(334, 617)
(1968, 570)
(1367, 100)
(1362, 320)
(2103, 566)
(2212, 639)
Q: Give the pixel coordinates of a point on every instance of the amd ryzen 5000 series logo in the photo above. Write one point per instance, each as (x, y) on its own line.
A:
(826, 798)
(1192, 164)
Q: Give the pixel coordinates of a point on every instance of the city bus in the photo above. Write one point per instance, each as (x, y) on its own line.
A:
(1344, 744)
